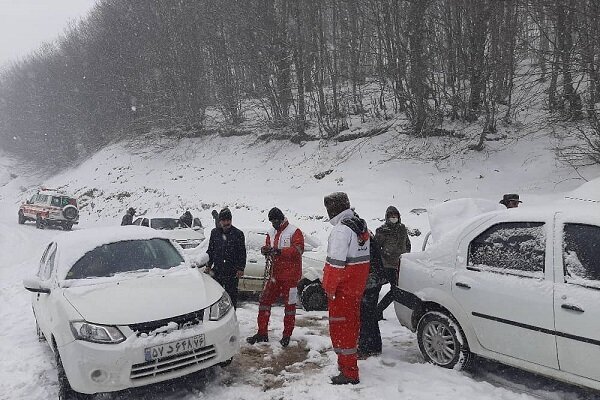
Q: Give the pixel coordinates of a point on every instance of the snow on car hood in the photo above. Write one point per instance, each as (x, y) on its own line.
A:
(143, 297)
(448, 216)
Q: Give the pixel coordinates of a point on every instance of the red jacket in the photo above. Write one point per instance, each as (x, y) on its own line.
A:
(288, 265)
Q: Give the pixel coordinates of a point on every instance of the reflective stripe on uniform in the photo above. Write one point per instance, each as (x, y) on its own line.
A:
(359, 259)
(290, 312)
(334, 262)
(345, 352)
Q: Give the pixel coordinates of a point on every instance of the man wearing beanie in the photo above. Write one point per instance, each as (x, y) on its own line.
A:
(284, 247)
(227, 255)
(344, 279)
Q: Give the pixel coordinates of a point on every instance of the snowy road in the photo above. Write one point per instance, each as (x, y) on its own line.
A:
(260, 372)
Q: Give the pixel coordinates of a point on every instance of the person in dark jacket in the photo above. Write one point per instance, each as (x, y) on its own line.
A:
(393, 241)
(186, 219)
(369, 340)
(227, 255)
(128, 217)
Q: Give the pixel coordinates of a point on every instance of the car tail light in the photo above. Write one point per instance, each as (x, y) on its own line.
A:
(73, 202)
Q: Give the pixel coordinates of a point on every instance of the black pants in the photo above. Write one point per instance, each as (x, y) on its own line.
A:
(391, 275)
(369, 340)
(230, 284)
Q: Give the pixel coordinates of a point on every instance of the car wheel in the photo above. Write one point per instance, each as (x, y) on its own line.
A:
(65, 392)
(21, 218)
(442, 342)
(313, 297)
(39, 222)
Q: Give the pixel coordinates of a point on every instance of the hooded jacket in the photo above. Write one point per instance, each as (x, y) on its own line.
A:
(393, 239)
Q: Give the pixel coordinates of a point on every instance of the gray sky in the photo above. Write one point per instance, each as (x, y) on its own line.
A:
(26, 24)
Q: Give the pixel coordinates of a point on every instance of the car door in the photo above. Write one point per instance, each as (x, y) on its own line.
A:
(577, 298)
(503, 285)
(40, 303)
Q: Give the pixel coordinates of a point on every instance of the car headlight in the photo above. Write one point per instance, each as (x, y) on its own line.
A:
(96, 333)
(220, 308)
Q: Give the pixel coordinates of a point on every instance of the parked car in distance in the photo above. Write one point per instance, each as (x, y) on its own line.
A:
(50, 208)
(121, 308)
(312, 296)
(187, 237)
(519, 286)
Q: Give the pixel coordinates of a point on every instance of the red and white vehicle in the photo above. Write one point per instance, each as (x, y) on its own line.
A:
(50, 207)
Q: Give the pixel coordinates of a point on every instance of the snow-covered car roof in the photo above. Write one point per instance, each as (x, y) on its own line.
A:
(74, 245)
(589, 191)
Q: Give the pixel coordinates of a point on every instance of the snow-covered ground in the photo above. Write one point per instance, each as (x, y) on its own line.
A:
(167, 177)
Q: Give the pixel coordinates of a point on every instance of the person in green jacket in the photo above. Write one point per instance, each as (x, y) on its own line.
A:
(393, 241)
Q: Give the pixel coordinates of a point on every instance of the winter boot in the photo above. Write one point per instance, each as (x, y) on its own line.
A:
(285, 341)
(341, 379)
(257, 338)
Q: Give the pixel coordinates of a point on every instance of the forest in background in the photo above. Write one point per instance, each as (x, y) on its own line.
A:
(308, 65)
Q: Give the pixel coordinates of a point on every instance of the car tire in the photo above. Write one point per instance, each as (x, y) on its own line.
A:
(313, 297)
(70, 212)
(39, 223)
(21, 218)
(65, 392)
(442, 341)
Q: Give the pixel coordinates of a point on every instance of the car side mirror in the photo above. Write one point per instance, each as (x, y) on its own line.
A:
(35, 285)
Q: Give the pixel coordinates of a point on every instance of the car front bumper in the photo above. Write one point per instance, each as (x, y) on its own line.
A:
(95, 368)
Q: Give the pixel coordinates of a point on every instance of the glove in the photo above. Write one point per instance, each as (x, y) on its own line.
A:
(265, 250)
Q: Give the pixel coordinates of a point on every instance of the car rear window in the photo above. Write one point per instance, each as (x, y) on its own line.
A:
(125, 256)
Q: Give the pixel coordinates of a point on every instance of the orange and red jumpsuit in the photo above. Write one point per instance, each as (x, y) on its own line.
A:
(285, 274)
(344, 280)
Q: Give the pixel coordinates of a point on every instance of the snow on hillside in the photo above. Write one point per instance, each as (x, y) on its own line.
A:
(250, 176)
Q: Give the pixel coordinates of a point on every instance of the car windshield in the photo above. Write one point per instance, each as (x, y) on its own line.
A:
(165, 223)
(126, 256)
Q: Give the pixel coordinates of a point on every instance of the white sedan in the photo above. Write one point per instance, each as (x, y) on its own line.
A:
(187, 237)
(120, 308)
(312, 296)
(519, 286)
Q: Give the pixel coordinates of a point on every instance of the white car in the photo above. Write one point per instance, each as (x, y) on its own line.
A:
(310, 291)
(187, 237)
(121, 308)
(519, 286)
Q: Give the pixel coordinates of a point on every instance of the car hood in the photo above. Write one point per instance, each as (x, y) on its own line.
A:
(448, 217)
(144, 298)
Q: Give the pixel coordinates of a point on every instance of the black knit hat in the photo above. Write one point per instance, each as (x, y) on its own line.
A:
(225, 215)
(336, 202)
(276, 215)
(510, 197)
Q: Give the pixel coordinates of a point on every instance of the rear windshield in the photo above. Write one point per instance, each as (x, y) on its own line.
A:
(126, 256)
(165, 223)
(61, 201)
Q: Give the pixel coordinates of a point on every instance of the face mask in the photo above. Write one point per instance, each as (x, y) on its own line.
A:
(276, 224)
(393, 220)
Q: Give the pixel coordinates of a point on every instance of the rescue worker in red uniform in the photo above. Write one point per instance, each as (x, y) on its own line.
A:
(344, 279)
(284, 245)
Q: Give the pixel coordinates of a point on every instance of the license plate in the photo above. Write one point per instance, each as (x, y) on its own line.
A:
(174, 348)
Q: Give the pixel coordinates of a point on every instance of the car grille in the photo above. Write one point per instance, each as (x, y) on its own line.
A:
(182, 321)
(168, 364)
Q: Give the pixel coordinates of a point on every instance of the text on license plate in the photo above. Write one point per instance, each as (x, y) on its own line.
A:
(174, 348)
